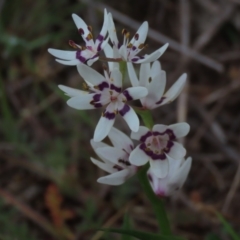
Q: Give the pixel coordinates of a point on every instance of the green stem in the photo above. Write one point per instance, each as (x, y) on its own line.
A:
(157, 203)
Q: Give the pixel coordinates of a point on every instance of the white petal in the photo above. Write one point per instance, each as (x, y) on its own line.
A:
(112, 154)
(131, 118)
(142, 131)
(116, 178)
(144, 74)
(72, 92)
(180, 177)
(70, 62)
(153, 56)
(120, 140)
(159, 167)
(142, 34)
(104, 166)
(175, 90)
(160, 128)
(174, 165)
(116, 77)
(102, 129)
(81, 102)
(109, 53)
(136, 92)
(112, 30)
(155, 90)
(138, 157)
(66, 55)
(105, 25)
(163, 49)
(177, 151)
(90, 75)
(156, 69)
(96, 145)
(82, 25)
(132, 75)
(180, 129)
(92, 60)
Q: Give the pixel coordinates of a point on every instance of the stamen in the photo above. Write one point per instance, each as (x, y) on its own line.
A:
(129, 45)
(96, 87)
(72, 44)
(125, 33)
(141, 46)
(111, 92)
(89, 36)
(150, 79)
(85, 86)
(90, 28)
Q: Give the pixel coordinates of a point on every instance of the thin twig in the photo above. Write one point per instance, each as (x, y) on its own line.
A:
(232, 191)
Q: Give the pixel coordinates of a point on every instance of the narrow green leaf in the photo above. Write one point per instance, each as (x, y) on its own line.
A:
(126, 226)
(212, 236)
(141, 235)
(228, 227)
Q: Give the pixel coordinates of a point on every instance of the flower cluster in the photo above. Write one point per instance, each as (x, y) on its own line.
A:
(157, 146)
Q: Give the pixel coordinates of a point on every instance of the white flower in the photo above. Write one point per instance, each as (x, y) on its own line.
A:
(154, 79)
(87, 54)
(177, 175)
(115, 160)
(157, 144)
(105, 91)
(128, 50)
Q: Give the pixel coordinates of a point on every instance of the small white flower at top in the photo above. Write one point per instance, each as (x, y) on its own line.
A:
(87, 54)
(154, 79)
(115, 159)
(105, 90)
(157, 144)
(128, 50)
(174, 180)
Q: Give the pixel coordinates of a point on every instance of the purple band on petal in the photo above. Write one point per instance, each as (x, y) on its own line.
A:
(109, 115)
(169, 132)
(150, 153)
(79, 57)
(99, 47)
(135, 59)
(103, 85)
(100, 38)
(96, 97)
(127, 95)
(144, 137)
(124, 110)
(161, 100)
(117, 89)
(95, 101)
